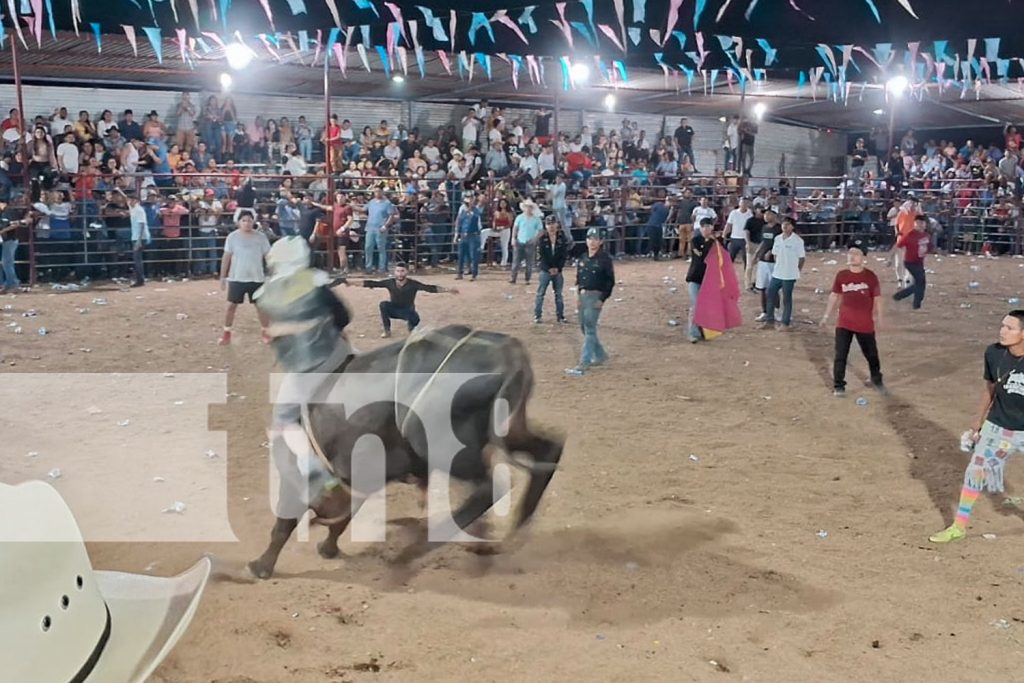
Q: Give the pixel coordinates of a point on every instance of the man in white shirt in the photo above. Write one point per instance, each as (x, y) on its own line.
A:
(788, 250)
(530, 166)
(703, 211)
(67, 156)
(242, 270)
(546, 163)
(204, 246)
(140, 237)
(732, 143)
(59, 121)
(734, 233)
(470, 129)
(430, 152)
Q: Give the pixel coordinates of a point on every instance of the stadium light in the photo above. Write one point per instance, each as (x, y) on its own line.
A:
(878, 112)
(609, 102)
(398, 78)
(722, 119)
(896, 85)
(238, 55)
(580, 72)
(759, 109)
(226, 81)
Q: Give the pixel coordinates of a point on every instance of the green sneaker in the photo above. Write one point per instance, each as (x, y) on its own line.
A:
(952, 533)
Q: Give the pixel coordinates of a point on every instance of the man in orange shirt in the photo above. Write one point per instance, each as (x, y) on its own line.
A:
(170, 219)
(904, 226)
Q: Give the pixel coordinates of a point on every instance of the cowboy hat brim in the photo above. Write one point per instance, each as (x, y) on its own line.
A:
(148, 615)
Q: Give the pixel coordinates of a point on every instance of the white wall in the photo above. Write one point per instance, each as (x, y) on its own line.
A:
(807, 152)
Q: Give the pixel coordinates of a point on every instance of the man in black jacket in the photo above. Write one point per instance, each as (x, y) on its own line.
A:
(553, 250)
(695, 275)
(402, 305)
(595, 280)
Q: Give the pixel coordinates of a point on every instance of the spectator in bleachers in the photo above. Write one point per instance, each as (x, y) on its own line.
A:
(381, 215)
(105, 123)
(304, 139)
(185, 113)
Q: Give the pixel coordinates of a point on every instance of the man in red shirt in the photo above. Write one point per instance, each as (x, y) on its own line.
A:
(916, 244)
(858, 294)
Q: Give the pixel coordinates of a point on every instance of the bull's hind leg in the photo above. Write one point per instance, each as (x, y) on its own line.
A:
(263, 568)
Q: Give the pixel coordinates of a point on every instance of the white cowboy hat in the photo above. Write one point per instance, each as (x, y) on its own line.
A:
(288, 255)
(528, 204)
(61, 621)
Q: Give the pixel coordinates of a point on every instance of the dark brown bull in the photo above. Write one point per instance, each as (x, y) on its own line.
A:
(504, 372)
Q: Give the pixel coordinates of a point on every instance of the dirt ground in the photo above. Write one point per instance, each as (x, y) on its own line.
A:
(644, 563)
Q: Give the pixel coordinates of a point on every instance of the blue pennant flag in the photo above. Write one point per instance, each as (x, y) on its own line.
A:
(420, 62)
(332, 38)
(874, 10)
(882, 52)
(770, 52)
(480, 22)
(621, 68)
(153, 33)
(435, 24)
(639, 11)
(365, 31)
(566, 75)
(1002, 68)
(303, 41)
(225, 5)
(634, 35)
(297, 6)
(366, 4)
(697, 11)
(383, 54)
(991, 49)
(99, 41)
(681, 37)
(940, 51)
(714, 77)
(486, 61)
(49, 17)
(526, 19)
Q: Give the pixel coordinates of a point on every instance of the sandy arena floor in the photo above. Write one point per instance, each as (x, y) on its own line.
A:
(644, 564)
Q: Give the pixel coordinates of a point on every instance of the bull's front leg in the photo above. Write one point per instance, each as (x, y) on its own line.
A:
(263, 567)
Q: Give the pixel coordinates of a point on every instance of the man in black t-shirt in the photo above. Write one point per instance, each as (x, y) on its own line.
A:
(700, 245)
(998, 432)
(402, 305)
(752, 232)
(684, 141)
(542, 126)
(766, 262)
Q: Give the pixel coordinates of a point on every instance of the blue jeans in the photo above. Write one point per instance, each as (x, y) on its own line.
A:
(590, 313)
(787, 299)
(306, 148)
(469, 254)
(8, 278)
(376, 241)
(556, 282)
(431, 241)
(137, 262)
(694, 289)
(916, 289)
(204, 255)
(388, 311)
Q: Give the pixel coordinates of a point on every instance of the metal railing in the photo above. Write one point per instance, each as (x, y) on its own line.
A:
(95, 242)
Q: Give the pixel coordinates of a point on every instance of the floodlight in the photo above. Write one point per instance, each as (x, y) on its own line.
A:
(398, 78)
(580, 72)
(609, 102)
(225, 81)
(239, 55)
(878, 112)
(759, 109)
(897, 84)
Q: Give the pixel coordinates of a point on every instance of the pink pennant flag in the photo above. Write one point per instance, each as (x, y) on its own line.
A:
(913, 54)
(194, 6)
(673, 18)
(501, 16)
(972, 43)
(452, 25)
(37, 21)
(515, 76)
(266, 8)
(986, 70)
(268, 46)
(333, 7)
(534, 70)
(721, 12)
(182, 43)
(209, 34)
(403, 58)
(930, 65)
(413, 30)
(213, 9)
(129, 32)
(792, 3)
(445, 62)
(868, 55)
(392, 40)
(395, 11)
(361, 51)
(503, 57)
(620, 15)
(747, 56)
(295, 49)
(610, 32)
(341, 58)
(76, 14)
(940, 67)
(816, 74)
(906, 6)
(656, 36)
(472, 62)
(562, 23)
(831, 57)
(847, 55)
(700, 49)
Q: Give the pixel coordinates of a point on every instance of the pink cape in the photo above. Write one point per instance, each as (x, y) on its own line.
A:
(718, 307)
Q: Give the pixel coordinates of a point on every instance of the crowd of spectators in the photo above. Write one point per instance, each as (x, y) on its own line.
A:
(74, 177)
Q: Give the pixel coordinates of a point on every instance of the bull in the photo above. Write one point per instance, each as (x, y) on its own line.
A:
(486, 411)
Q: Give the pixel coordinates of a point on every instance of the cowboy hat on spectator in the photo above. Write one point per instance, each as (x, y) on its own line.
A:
(62, 621)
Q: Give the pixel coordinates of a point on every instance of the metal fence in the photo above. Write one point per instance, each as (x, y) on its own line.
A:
(94, 241)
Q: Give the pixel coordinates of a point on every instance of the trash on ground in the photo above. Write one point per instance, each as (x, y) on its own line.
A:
(177, 507)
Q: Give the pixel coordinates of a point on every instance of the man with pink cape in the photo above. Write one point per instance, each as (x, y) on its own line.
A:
(717, 307)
